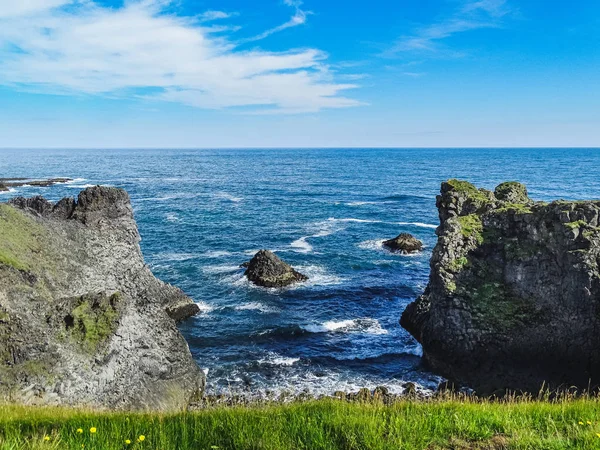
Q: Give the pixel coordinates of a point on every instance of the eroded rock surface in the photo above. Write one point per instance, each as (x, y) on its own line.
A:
(268, 270)
(404, 243)
(83, 321)
(513, 299)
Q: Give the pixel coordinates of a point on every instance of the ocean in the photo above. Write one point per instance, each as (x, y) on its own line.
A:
(202, 213)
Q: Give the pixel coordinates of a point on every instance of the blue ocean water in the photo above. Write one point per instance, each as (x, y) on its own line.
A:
(202, 213)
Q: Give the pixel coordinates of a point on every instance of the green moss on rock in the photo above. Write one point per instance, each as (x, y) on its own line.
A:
(512, 192)
(471, 227)
(93, 320)
(461, 186)
(457, 264)
(23, 243)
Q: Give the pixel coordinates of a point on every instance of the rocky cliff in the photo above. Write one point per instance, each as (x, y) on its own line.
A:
(82, 319)
(513, 299)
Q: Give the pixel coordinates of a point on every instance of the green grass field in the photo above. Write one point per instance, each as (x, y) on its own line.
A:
(323, 424)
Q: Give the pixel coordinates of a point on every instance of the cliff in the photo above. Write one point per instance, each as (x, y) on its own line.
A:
(513, 299)
(83, 321)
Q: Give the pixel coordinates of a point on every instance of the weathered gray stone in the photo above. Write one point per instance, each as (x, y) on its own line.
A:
(83, 321)
(513, 299)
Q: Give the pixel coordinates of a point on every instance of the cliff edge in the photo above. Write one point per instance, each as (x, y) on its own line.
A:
(83, 321)
(513, 299)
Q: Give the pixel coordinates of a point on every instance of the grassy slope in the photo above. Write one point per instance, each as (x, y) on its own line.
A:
(325, 424)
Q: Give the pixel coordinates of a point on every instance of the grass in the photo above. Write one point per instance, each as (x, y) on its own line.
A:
(323, 424)
(22, 240)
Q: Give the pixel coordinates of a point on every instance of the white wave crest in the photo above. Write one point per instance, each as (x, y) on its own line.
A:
(360, 203)
(80, 186)
(331, 219)
(372, 244)
(226, 196)
(256, 306)
(171, 217)
(366, 325)
(205, 308)
(216, 254)
(324, 228)
(75, 181)
(221, 268)
(278, 360)
(302, 245)
(418, 224)
(317, 276)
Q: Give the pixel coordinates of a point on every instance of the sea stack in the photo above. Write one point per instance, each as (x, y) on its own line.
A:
(513, 299)
(83, 321)
(267, 270)
(404, 243)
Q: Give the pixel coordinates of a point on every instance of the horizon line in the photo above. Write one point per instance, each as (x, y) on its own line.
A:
(579, 147)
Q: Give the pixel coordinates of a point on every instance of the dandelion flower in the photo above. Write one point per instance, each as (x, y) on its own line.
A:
(80, 430)
(598, 434)
(93, 430)
(127, 441)
(46, 438)
(142, 438)
(580, 422)
(589, 423)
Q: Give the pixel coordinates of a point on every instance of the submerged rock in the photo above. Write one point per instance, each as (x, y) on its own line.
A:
(268, 270)
(83, 321)
(5, 183)
(513, 299)
(404, 243)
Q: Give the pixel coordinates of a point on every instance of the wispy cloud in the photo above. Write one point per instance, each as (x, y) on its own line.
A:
(81, 47)
(209, 16)
(299, 18)
(472, 15)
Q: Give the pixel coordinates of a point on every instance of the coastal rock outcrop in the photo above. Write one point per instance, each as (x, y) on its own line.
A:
(404, 243)
(513, 299)
(83, 321)
(268, 270)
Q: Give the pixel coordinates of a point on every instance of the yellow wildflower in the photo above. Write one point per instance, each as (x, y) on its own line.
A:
(80, 430)
(598, 434)
(589, 423)
(46, 438)
(580, 422)
(127, 441)
(93, 430)
(142, 438)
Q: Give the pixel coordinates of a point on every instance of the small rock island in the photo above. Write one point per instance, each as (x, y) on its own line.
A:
(83, 321)
(268, 270)
(513, 299)
(404, 243)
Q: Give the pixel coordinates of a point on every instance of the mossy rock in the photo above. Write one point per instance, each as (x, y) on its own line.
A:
(93, 321)
(480, 196)
(24, 243)
(471, 227)
(512, 192)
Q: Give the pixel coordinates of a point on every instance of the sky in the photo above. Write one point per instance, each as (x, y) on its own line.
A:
(292, 73)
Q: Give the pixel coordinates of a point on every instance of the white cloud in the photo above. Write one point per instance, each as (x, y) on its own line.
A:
(215, 15)
(472, 15)
(138, 49)
(299, 18)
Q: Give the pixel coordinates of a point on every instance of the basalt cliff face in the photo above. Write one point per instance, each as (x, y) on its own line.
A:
(83, 321)
(513, 299)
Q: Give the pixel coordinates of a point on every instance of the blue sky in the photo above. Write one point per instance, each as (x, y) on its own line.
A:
(287, 73)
